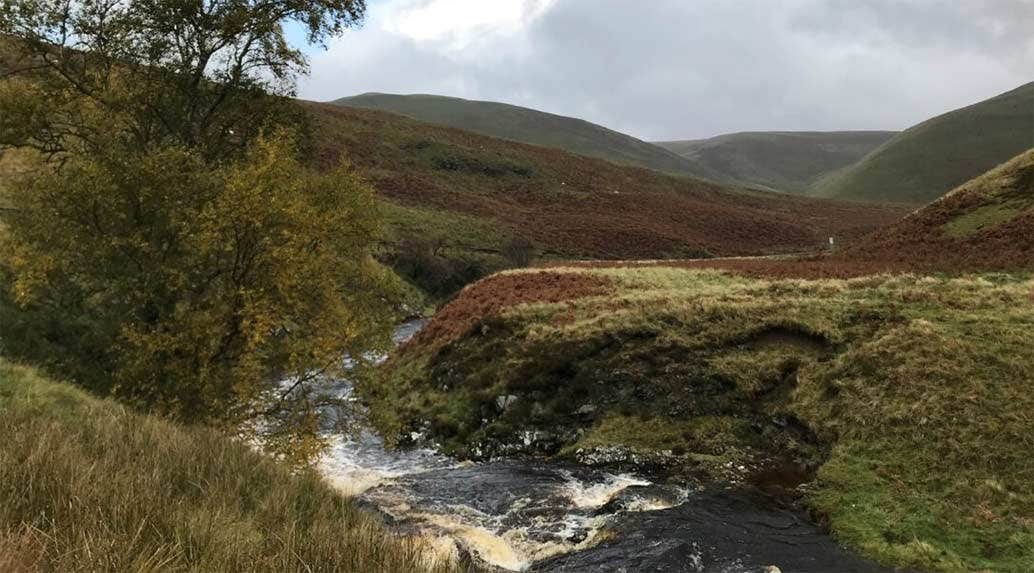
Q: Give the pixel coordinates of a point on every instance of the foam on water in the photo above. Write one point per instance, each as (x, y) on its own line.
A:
(595, 495)
(433, 497)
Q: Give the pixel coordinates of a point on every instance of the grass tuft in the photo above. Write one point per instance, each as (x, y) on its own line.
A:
(86, 485)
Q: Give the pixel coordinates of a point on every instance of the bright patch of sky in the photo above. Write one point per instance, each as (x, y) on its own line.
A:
(460, 22)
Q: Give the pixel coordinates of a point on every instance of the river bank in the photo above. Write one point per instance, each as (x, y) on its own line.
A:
(866, 389)
(538, 515)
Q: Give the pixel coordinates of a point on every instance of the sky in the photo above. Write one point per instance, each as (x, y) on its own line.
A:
(687, 69)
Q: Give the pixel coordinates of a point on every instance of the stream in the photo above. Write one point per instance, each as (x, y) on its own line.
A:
(541, 516)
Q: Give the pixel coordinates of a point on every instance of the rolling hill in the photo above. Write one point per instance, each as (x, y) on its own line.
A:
(779, 160)
(530, 126)
(928, 160)
(984, 225)
(490, 191)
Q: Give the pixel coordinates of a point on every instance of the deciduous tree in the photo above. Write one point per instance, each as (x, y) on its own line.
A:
(196, 289)
(207, 74)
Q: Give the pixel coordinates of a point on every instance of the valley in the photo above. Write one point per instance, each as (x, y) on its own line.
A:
(761, 325)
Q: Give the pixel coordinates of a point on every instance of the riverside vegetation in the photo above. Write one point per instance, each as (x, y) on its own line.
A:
(164, 244)
(895, 405)
(907, 395)
(89, 485)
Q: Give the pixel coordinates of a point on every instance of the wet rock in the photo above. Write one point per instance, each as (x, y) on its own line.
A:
(626, 459)
(644, 498)
(586, 411)
(503, 403)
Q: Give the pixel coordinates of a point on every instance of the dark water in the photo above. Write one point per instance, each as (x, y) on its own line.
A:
(549, 517)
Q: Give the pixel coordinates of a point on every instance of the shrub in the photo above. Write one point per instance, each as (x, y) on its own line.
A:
(424, 263)
(519, 252)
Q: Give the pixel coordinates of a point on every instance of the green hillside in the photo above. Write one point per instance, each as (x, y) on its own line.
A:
(530, 126)
(86, 485)
(781, 160)
(928, 160)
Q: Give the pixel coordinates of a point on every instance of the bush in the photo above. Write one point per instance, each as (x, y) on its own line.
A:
(424, 263)
(519, 252)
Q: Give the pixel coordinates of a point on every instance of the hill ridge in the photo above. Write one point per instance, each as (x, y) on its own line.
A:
(528, 125)
(937, 155)
(788, 161)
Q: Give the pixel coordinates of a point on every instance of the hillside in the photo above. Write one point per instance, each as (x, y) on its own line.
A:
(928, 160)
(984, 225)
(86, 485)
(491, 190)
(784, 161)
(529, 126)
(902, 403)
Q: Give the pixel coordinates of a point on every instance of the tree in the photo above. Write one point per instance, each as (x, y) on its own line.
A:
(205, 74)
(164, 250)
(196, 289)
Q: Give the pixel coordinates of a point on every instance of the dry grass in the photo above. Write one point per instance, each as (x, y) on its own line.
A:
(86, 485)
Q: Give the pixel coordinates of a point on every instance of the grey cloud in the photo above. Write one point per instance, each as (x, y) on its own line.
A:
(668, 69)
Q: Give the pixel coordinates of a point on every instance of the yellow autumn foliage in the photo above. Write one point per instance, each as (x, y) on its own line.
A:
(196, 289)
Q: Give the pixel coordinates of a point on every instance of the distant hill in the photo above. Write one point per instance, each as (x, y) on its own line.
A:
(780, 160)
(530, 126)
(984, 225)
(928, 160)
(490, 191)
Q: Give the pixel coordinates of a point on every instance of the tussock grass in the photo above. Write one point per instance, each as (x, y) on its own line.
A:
(911, 395)
(86, 485)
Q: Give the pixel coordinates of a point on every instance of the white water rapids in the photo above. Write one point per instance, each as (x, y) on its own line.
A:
(507, 514)
(528, 515)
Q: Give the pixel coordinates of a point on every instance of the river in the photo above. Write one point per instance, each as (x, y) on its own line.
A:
(540, 516)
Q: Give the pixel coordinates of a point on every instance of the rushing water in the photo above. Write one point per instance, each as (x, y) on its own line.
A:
(521, 515)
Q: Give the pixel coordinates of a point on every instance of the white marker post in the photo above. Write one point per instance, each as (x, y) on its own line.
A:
(831, 243)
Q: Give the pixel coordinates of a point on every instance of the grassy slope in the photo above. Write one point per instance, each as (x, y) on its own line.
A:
(986, 223)
(569, 205)
(783, 161)
(529, 126)
(928, 160)
(911, 395)
(983, 225)
(86, 485)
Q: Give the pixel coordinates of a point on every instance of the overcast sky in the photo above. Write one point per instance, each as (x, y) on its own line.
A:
(683, 69)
